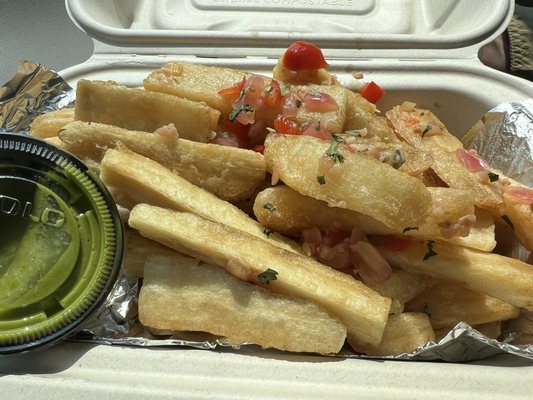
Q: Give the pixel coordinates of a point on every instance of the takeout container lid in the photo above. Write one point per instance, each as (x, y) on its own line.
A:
(61, 243)
(421, 51)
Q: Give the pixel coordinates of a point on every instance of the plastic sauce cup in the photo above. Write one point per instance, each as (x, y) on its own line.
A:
(61, 242)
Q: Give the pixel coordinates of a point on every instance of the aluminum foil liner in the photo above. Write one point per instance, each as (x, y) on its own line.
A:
(36, 90)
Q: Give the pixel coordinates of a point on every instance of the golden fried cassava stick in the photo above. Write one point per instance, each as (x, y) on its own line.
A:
(229, 172)
(49, 124)
(180, 293)
(501, 277)
(137, 179)
(347, 179)
(137, 109)
(363, 311)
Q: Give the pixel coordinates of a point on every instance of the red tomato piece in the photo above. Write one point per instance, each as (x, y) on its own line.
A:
(302, 55)
(234, 91)
(335, 237)
(239, 130)
(372, 92)
(284, 125)
(260, 148)
(395, 243)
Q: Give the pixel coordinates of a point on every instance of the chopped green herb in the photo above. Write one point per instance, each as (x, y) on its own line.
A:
(332, 151)
(493, 177)
(508, 221)
(321, 179)
(430, 252)
(269, 89)
(268, 275)
(267, 232)
(269, 207)
(355, 133)
(235, 113)
(410, 228)
(398, 159)
(426, 130)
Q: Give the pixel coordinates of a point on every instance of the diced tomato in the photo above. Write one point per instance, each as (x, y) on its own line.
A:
(302, 55)
(272, 94)
(335, 237)
(284, 125)
(318, 130)
(260, 148)
(395, 243)
(372, 92)
(523, 194)
(471, 160)
(320, 102)
(233, 92)
(239, 130)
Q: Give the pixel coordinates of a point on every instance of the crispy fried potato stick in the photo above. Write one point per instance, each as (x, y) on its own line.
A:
(501, 277)
(49, 124)
(179, 294)
(137, 109)
(403, 334)
(422, 129)
(229, 172)
(138, 179)
(363, 311)
(284, 210)
(359, 182)
(447, 304)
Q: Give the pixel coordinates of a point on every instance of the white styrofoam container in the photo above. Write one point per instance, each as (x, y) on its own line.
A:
(418, 50)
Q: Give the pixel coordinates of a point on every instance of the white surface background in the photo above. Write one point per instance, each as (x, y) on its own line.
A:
(39, 31)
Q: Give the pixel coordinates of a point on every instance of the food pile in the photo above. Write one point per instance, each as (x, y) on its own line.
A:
(291, 213)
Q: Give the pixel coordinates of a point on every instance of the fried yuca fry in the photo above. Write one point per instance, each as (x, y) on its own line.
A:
(423, 130)
(137, 109)
(137, 179)
(284, 210)
(520, 213)
(501, 277)
(359, 182)
(333, 120)
(49, 124)
(138, 250)
(180, 295)
(196, 82)
(447, 304)
(402, 286)
(229, 172)
(403, 334)
(362, 310)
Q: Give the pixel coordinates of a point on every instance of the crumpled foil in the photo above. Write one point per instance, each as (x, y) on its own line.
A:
(504, 138)
(36, 90)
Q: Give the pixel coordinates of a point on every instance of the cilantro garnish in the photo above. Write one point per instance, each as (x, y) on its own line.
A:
(235, 113)
(354, 132)
(268, 275)
(493, 177)
(269, 207)
(430, 252)
(321, 179)
(332, 151)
